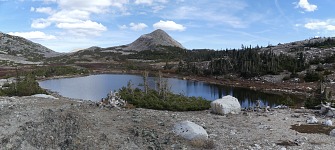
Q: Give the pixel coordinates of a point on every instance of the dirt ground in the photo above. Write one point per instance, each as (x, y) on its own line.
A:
(44, 123)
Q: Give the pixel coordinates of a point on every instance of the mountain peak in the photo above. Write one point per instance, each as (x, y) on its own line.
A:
(158, 31)
(152, 40)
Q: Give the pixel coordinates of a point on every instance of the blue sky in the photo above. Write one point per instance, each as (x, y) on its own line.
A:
(66, 25)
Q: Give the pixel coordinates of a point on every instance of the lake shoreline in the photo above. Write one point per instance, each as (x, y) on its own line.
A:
(292, 90)
(299, 91)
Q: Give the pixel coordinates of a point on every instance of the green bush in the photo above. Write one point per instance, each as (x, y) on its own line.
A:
(320, 68)
(327, 72)
(23, 87)
(173, 102)
(312, 76)
(50, 71)
(310, 103)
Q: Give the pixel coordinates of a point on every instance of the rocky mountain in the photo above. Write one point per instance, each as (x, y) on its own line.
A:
(311, 48)
(152, 40)
(21, 47)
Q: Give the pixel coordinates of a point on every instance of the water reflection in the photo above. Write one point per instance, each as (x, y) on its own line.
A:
(95, 87)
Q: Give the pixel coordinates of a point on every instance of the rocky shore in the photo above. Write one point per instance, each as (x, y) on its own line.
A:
(48, 123)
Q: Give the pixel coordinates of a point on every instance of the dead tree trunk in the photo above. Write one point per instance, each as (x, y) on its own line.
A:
(145, 80)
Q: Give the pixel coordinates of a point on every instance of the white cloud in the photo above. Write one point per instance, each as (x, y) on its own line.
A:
(328, 25)
(74, 16)
(137, 27)
(94, 6)
(70, 16)
(157, 8)
(83, 28)
(169, 25)
(46, 10)
(304, 4)
(40, 23)
(49, 1)
(123, 27)
(148, 2)
(33, 35)
(214, 13)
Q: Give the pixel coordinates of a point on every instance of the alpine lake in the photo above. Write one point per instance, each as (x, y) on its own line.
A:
(96, 87)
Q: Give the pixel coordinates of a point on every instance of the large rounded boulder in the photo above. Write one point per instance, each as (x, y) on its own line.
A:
(189, 130)
(226, 105)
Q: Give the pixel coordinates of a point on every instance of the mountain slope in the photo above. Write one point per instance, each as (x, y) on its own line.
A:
(153, 40)
(311, 48)
(18, 46)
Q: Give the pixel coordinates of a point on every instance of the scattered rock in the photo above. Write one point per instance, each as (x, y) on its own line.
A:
(34, 123)
(113, 100)
(189, 130)
(226, 105)
(295, 115)
(257, 146)
(328, 122)
(44, 96)
(312, 120)
(327, 110)
(281, 107)
(332, 133)
(265, 127)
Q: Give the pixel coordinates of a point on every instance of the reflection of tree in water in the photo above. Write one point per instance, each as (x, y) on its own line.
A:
(249, 97)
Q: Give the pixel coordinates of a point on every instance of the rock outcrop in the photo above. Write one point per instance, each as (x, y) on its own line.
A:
(153, 40)
(226, 105)
(14, 46)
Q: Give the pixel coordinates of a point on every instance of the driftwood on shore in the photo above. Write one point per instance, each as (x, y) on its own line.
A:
(113, 100)
(327, 110)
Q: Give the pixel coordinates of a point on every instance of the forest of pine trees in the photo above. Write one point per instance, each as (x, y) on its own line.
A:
(247, 62)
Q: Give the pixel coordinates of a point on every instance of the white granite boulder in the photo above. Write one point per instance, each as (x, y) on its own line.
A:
(226, 105)
(328, 122)
(312, 120)
(189, 130)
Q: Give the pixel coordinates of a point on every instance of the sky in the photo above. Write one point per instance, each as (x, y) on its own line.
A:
(67, 25)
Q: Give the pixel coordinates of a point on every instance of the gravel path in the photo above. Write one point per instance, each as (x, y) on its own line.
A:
(43, 123)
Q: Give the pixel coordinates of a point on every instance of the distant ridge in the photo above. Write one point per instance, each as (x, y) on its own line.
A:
(152, 41)
(18, 46)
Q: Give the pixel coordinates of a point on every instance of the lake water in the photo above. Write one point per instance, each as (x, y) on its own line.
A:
(95, 87)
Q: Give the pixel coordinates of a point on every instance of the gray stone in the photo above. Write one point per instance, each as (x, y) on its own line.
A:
(328, 122)
(189, 130)
(226, 105)
(332, 133)
(312, 120)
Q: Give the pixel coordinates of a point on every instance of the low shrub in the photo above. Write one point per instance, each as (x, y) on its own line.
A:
(153, 100)
(312, 76)
(327, 72)
(311, 102)
(23, 87)
(50, 71)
